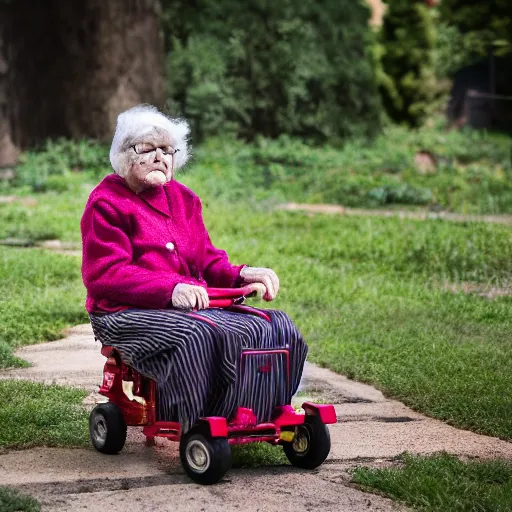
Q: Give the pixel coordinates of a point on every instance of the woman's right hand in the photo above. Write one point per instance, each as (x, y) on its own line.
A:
(188, 296)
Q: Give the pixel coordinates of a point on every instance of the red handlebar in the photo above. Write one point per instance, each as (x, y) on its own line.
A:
(225, 297)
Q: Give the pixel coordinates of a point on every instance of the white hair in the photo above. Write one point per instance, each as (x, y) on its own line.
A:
(142, 119)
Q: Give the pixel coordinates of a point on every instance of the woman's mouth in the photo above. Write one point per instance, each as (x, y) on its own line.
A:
(155, 177)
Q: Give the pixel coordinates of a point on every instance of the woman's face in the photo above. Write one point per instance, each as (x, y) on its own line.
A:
(150, 160)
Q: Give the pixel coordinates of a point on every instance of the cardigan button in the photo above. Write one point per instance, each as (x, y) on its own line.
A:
(170, 246)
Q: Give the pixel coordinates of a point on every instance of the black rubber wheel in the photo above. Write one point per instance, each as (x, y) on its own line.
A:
(205, 459)
(107, 428)
(311, 445)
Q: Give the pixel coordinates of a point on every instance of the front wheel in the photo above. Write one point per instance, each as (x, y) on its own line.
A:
(205, 459)
(311, 444)
(107, 428)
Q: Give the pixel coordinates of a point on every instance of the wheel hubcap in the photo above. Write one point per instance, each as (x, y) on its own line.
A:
(198, 457)
(301, 441)
(100, 430)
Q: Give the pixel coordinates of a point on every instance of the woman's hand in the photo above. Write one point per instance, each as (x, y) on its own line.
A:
(265, 276)
(188, 296)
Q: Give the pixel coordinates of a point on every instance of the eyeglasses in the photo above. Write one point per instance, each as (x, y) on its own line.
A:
(143, 151)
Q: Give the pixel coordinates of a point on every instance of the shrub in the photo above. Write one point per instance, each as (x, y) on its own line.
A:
(288, 67)
(59, 164)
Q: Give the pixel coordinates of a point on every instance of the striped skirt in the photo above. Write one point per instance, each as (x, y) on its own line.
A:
(196, 359)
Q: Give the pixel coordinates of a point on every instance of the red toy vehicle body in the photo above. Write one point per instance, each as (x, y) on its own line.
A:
(205, 449)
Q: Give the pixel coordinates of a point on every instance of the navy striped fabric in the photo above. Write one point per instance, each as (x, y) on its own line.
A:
(198, 366)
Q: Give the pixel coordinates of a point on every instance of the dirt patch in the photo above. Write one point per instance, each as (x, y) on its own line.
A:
(425, 162)
(25, 201)
(57, 246)
(333, 209)
(481, 289)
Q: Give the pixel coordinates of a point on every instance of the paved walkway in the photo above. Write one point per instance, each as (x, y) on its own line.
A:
(371, 430)
(334, 209)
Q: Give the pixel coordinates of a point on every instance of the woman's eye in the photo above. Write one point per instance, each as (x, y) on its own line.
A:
(142, 149)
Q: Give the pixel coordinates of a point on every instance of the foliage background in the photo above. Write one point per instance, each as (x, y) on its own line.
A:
(260, 67)
(407, 42)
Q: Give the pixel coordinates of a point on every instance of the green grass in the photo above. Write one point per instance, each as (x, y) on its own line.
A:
(44, 216)
(472, 175)
(40, 294)
(256, 455)
(14, 501)
(34, 414)
(442, 483)
(366, 295)
(366, 292)
(473, 171)
(367, 302)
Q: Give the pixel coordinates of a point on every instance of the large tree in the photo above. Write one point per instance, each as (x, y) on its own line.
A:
(67, 68)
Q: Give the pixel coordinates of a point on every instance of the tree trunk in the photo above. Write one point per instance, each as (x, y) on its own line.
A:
(67, 68)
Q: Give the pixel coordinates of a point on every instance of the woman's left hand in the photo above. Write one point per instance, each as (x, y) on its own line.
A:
(265, 276)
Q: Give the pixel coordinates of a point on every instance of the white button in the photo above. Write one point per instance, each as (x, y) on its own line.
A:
(170, 246)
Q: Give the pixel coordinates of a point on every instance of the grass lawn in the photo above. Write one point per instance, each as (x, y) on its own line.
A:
(34, 414)
(13, 501)
(442, 483)
(40, 293)
(367, 293)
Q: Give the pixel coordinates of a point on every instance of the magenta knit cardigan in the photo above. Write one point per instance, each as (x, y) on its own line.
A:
(137, 247)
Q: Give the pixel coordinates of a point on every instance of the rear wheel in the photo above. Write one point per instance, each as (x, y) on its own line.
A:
(311, 444)
(107, 428)
(205, 459)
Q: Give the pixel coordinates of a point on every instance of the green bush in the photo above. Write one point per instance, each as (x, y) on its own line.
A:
(452, 51)
(472, 175)
(271, 68)
(480, 25)
(60, 164)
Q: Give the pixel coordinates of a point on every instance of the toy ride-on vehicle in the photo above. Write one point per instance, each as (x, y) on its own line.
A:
(205, 450)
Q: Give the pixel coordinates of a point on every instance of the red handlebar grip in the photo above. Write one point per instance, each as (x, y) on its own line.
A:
(220, 303)
(229, 293)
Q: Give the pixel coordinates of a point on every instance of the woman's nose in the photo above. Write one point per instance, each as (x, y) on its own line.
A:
(159, 154)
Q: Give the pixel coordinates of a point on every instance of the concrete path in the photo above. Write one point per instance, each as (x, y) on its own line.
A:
(371, 430)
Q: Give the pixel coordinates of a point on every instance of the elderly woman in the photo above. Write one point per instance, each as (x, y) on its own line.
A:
(147, 259)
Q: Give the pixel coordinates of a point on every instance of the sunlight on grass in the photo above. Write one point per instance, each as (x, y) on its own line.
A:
(34, 414)
(443, 483)
(40, 294)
